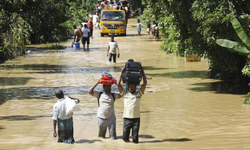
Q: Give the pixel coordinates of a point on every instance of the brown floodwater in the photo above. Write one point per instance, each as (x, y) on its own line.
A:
(181, 109)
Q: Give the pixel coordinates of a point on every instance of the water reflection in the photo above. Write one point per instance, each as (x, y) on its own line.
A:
(39, 92)
(14, 81)
(182, 74)
(21, 117)
(45, 93)
(221, 87)
(64, 69)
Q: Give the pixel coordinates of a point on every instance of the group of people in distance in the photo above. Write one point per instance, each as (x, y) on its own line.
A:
(153, 29)
(106, 113)
(114, 4)
(117, 4)
(84, 32)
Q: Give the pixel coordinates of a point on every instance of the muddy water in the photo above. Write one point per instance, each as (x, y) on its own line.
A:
(181, 109)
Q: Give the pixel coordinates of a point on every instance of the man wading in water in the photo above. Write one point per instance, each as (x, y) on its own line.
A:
(64, 121)
(113, 49)
(131, 113)
(106, 100)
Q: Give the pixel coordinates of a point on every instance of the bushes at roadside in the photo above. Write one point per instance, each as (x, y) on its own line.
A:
(192, 27)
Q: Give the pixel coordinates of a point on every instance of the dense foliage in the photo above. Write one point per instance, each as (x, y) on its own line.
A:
(24, 21)
(193, 26)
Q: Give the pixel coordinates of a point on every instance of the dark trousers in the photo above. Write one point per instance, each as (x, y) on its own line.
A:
(84, 40)
(129, 124)
(112, 55)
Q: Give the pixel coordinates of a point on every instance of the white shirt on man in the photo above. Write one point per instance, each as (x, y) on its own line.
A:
(59, 110)
(112, 47)
(85, 32)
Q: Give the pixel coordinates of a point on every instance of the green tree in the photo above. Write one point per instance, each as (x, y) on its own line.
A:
(193, 27)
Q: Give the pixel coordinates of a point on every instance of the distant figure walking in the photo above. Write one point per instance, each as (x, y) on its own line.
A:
(77, 34)
(112, 47)
(139, 25)
(85, 37)
(91, 26)
(148, 27)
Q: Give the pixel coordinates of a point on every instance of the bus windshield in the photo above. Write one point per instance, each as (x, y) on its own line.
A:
(112, 16)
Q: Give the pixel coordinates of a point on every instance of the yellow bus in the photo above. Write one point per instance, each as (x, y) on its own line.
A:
(113, 21)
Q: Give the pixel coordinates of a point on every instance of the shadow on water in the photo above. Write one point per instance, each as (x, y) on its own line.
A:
(158, 141)
(13, 81)
(21, 117)
(39, 92)
(221, 87)
(167, 140)
(1, 128)
(87, 141)
(26, 117)
(44, 68)
(183, 74)
(140, 136)
(153, 68)
(70, 49)
(44, 93)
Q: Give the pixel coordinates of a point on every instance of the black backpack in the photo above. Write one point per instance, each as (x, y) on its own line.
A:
(98, 99)
(132, 73)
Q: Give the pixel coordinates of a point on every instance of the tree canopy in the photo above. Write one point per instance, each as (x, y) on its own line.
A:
(24, 21)
(193, 26)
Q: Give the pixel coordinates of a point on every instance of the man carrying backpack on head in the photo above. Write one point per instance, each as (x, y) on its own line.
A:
(132, 98)
(106, 99)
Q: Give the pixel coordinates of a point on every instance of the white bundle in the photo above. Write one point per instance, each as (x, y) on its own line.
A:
(71, 105)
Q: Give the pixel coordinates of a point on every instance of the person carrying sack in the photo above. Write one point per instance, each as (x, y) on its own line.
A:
(106, 100)
(63, 118)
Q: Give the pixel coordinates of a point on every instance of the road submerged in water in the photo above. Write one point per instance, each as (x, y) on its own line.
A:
(181, 109)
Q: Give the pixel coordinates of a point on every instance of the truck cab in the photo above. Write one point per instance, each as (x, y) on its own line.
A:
(113, 21)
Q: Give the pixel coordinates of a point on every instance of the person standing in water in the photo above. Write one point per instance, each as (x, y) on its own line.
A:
(85, 38)
(64, 121)
(131, 113)
(106, 113)
(139, 25)
(112, 47)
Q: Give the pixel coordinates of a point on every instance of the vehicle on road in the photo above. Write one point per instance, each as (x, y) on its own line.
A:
(113, 21)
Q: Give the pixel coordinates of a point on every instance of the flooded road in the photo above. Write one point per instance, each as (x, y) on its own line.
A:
(181, 109)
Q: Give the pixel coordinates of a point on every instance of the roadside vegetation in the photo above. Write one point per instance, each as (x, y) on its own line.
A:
(38, 21)
(192, 27)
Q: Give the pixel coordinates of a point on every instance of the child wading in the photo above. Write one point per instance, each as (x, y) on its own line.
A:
(139, 25)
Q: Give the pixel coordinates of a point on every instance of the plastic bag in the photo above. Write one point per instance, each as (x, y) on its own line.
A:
(71, 106)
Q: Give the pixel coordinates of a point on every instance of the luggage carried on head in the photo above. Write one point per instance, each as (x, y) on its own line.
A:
(132, 73)
(107, 79)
